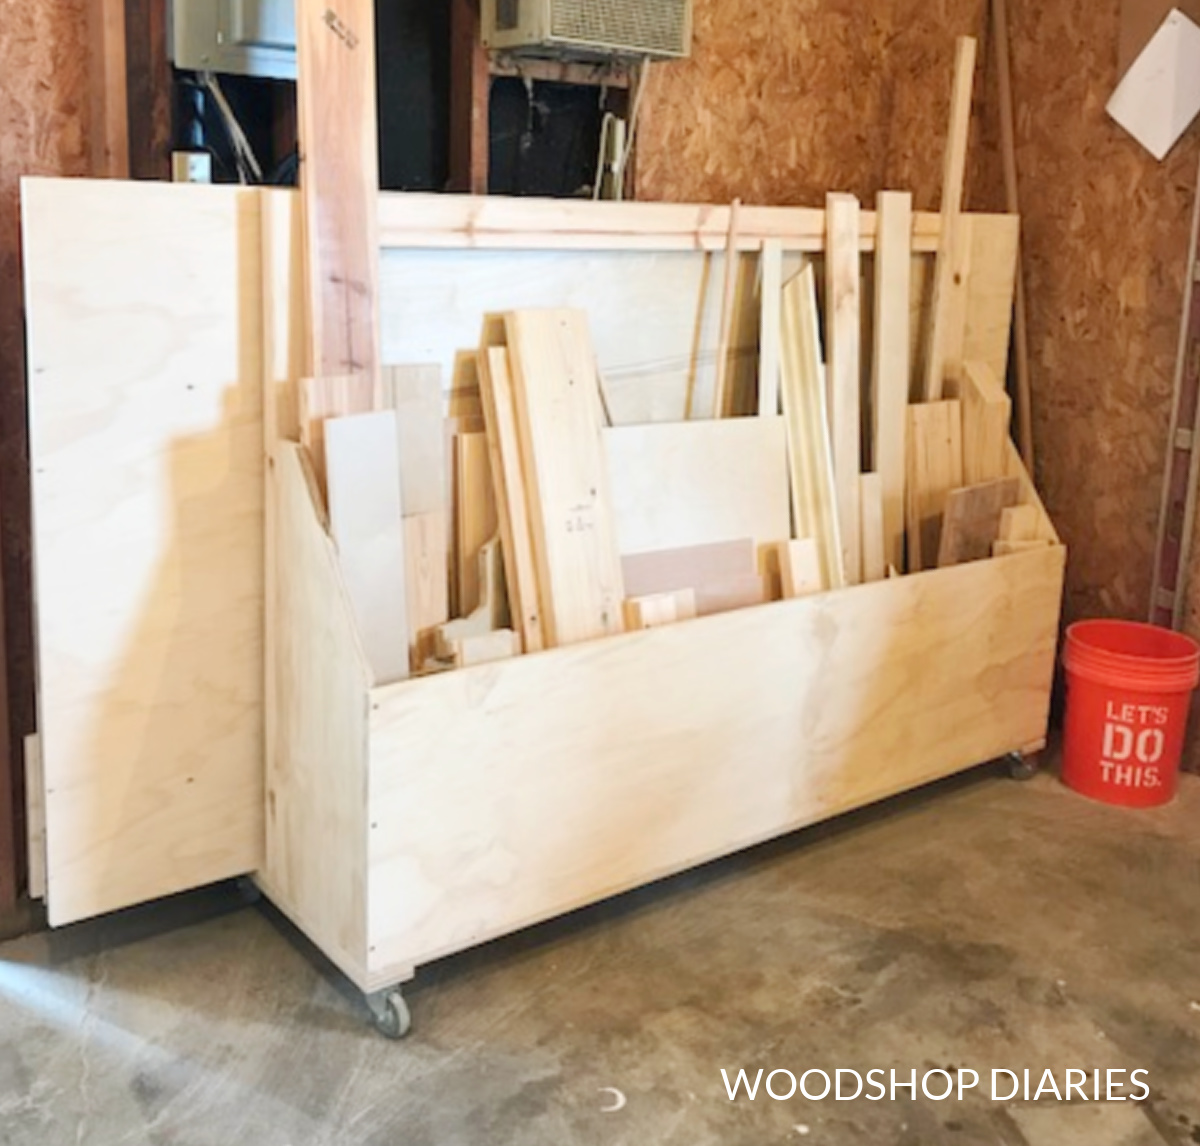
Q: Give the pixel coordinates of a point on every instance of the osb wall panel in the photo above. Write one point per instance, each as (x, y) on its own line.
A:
(786, 99)
(43, 113)
(1106, 230)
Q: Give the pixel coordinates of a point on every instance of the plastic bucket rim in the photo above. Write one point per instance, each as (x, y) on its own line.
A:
(1077, 638)
(1138, 673)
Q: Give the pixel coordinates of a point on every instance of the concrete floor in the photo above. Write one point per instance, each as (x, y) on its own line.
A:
(978, 924)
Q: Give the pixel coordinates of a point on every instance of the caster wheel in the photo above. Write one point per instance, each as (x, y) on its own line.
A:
(248, 891)
(390, 1014)
(1020, 767)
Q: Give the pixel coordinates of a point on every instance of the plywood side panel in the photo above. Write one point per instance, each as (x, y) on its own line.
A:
(144, 306)
(891, 697)
(316, 781)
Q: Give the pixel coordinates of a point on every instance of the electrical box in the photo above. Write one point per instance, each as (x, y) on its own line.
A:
(235, 37)
(589, 29)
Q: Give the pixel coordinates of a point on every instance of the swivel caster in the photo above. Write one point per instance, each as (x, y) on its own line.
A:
(1020, 766)
(248, 891)
(390, 1013)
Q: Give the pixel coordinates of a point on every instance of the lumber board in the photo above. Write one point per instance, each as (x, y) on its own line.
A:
(143, 304)
(721, 397)
(934, 469)
(953, 258)
(987, 419)
(508, 482)
(319, 399)
(972, 521)
(810, 451)
(498, 223)
(426, 582)
(660, 609)
(367, 523)
(891, 362)
(874, 546)
(558, 419)
(339, 179)
(843, 327)
(476, 516)
(800, 568)
(896, 698)
(109, 93)
(771, 303)
(415, 393)
(316, 814)
(681, 484)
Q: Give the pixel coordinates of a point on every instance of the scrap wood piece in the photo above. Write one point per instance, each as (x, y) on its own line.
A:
(427, 586)
(810, 451)
(677, 484)
(566, 474)
(688, 568)
(843, 328)
(340, 185)
(368, 527)
(934, 469)
(415, 393)
(800, 568)
(972, 521)
(475, 513)
(771, 301)
(892, 360)
(485, 648)
(724, 344)
(660, 609)
(1002, 548)
(1019, 523)
(331, 396)
(873, 542)
(508, 483)
(489, 616)
(987, 420)
(950, 282)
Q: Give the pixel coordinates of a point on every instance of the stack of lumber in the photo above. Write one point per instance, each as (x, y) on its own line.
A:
(504, 514)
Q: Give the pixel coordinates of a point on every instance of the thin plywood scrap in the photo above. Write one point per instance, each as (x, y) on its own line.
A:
(810, 452)
(843, 329)
(800, 568)
(892, 361)
(771, 288)
(368, 527)
(558, 417)
(934, 469)
(679, 484)
(972, 521)
(475, 514)
(415, 393)
(647, 574)
(331, 396)
(508, 481)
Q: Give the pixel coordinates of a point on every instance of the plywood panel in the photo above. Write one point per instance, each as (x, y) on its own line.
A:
(696, 483)
(315, 868)
(146, 424)
(895, 698)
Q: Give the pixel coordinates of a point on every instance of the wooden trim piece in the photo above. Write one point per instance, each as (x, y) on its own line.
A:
(149, 89)
(721, 390)
(934, 469)
(810, 452)
(771, 290)
(339, 178)
(892, 361)
(35, 817)
(950, 282)
(972, 522)
(495, 222)
(108, 85)
(799, 568)
(652, 612)
(475, 514)
(873, 548)
(508, 480)
(843, 333)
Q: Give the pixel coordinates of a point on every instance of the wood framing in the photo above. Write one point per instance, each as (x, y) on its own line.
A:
(470, 85)
(108, 89)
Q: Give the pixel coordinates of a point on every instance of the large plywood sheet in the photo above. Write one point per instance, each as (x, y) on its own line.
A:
(144, 319)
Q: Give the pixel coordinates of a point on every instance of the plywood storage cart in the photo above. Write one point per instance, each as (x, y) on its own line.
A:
(395, 825)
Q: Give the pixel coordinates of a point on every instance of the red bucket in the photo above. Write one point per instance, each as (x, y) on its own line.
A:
(1128, 690)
